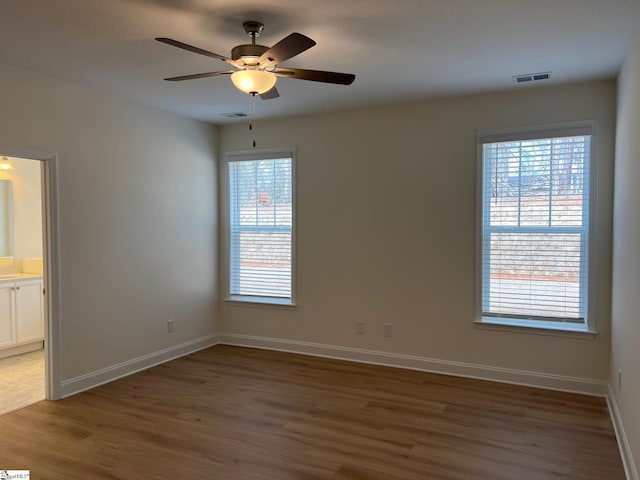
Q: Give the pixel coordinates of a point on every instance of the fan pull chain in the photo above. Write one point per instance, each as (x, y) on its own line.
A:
(252, 113)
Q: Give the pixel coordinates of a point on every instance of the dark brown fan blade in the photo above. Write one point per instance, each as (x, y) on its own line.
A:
(316, 75)
(191, 48)
(199, 75)
(273, 93)
(285, 49)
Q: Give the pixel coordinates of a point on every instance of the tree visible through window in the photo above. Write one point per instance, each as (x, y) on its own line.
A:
(535, 229)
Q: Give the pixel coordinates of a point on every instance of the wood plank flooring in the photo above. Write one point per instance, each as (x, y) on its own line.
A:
(237, 413)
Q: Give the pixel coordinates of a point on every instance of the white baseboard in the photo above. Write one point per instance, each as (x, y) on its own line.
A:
(623, 443)
(29, 347)
(105, 375)
(497, 374)
(446, 367)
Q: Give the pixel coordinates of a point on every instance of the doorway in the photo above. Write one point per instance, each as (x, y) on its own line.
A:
(27, 260)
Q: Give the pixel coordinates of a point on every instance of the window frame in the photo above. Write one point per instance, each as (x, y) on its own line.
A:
(253, 155)
(588, 328)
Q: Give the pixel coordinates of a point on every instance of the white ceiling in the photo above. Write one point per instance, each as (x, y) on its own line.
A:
(400, 51)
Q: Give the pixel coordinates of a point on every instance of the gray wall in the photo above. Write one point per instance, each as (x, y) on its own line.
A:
(138, 217)
(626, 255)
(386, 229)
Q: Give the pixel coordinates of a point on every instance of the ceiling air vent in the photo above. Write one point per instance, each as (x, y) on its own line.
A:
(532, 77)
(234, 115)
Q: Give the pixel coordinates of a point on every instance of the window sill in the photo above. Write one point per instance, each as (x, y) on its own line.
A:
(260, 302)
(536, 328)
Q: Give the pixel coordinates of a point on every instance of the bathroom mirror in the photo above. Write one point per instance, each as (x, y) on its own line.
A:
(6, 222)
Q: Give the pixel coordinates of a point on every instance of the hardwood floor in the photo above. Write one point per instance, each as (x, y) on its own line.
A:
(237, 413)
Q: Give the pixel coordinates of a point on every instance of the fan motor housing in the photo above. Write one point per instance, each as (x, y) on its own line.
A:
(248, 51)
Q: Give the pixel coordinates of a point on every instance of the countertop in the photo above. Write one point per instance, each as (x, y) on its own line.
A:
(12, 277)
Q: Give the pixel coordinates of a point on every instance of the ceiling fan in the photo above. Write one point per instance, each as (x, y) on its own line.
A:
(256, 66)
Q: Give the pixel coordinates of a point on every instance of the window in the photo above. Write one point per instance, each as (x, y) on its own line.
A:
(534, 228)
(261, 233)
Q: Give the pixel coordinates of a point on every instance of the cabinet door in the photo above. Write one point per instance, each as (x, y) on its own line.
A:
(29, 312)
(7, 329)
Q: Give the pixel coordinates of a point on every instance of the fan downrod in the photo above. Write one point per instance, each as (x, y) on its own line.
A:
(250, 53)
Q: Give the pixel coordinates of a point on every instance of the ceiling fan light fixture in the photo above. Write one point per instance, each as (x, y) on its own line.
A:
(257, 66)
(254, 82)
(250, 60)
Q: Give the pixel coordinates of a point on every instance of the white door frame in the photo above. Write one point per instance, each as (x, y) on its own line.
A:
(51, 257)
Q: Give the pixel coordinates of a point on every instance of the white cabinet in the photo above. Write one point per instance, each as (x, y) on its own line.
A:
(7, 325)
(21, 312)
(29, 325)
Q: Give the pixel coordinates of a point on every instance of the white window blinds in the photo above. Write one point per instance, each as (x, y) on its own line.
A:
(535, 228)
(261, 223)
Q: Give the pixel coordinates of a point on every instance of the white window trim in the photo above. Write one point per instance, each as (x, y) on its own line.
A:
(248, 155)
(587, 330)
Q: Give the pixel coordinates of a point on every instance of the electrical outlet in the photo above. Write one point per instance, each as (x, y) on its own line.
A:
(360, 328)
(388, 330)
(170, 325)
(620, 380)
